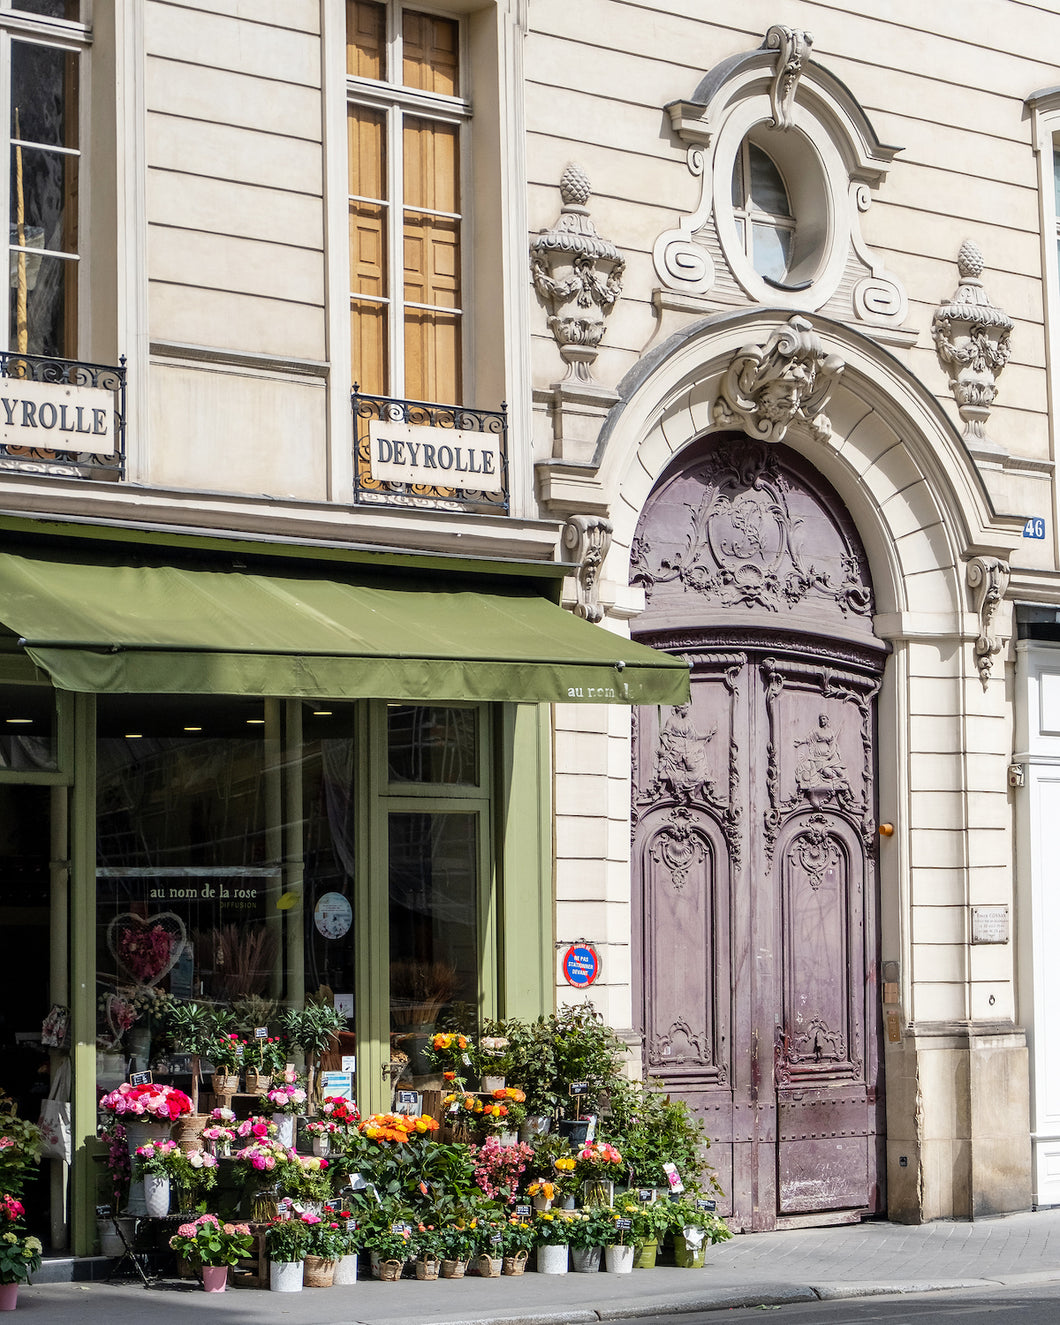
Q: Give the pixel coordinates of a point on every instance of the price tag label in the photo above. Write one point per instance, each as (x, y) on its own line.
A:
(578, 1088)
(645, 1195)
(103, 1211)
(709, 1206)
(239, 1050)
(465, 1060)
(497, 1239)
(522, 1213)
(139, 1078)
(673, 1177)
(261, 1032)
(351, 1225)
(334, 1204)
(623, 1223)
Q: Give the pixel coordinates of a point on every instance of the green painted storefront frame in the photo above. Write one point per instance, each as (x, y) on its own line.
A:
(515, 890)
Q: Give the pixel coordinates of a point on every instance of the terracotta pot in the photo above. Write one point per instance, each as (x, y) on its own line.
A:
(514, 1264)
(428, 1267)
(453, 1269)
(214, 1278)
(318, 1272)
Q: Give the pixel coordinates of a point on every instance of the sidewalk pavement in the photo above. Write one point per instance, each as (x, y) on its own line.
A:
(797, 1265)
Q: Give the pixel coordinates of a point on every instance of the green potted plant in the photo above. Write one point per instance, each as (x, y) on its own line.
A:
(159, 1164)
(459, 1240)
(427, 1247)
(651, 1223)
(620, 1247)
(315, 1031)
(552, 1229)
(212, 1246)
(20, 1256)
(587, 1051)
(695, 1227)
(325, 1242)
(189, 1028)
(389, 1240)
(590, 1230)
(518, 1240)
(285, 1241)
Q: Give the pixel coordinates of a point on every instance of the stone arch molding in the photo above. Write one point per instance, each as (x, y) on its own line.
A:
(827, 150)
(878, 436)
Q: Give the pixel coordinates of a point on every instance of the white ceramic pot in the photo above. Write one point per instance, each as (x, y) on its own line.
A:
(585, 1260)
(284, 1128)
(345, 1270)
(490, 1084)
(285, 1276)
(322, 1145)
(156, 1195)
(508, 1138)
(618, 1260)
(552, 1260)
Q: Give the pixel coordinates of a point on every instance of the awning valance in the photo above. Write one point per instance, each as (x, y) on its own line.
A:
(109, 627)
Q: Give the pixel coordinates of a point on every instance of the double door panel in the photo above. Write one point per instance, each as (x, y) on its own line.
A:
(756, 925)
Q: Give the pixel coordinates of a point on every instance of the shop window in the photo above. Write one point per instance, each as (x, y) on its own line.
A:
(405, 124)
(43, 45)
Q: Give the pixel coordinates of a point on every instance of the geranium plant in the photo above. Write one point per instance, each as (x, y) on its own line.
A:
(20, 1256)
(285, 1240)
(209, 1242)
(226, 1051)
(11, 1209)
(340, 1111)
(164, 1104)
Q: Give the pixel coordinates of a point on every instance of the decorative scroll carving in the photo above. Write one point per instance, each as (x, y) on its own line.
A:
(988, 579)
(679, 1044)
(679, 847)
(817, 1044)
(768, 387)
(972, 342)
(793, 47)
(578, 275)
(589, 537)
(815, 852)
(742, 546)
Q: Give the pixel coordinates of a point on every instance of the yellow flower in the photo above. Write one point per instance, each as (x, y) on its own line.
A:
(10, 1237)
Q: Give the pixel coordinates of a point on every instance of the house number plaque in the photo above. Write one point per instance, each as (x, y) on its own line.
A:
(989, 924)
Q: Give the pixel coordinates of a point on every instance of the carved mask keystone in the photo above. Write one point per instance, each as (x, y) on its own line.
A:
(578, 275)
(768, 387)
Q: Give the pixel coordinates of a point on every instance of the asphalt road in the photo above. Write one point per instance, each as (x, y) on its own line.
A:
(1031, 1305)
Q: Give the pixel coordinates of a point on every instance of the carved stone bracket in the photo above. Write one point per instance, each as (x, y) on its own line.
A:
(972, 342)
(578, 275)
(988, 579)
(793, 51)
(588, 537)
(768, 387)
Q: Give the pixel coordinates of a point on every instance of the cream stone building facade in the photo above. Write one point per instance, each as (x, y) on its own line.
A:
(732, 333)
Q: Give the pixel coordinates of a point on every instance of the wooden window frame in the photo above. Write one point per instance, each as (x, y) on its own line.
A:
(398, 102)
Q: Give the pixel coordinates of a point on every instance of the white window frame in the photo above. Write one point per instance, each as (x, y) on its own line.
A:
(397, 101)
(75, 38)
(1045, 129)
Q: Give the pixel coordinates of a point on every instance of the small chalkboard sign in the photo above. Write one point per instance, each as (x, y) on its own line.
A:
(497, 1239)
(522, 1213)
(623, 1223)
(645, 1195)
(139, 1078)
(351, 1225)
(104, 1211)
(578, 1088)
(261, 1032)
(334, 1204)
(239, 1049)
(709, 1206)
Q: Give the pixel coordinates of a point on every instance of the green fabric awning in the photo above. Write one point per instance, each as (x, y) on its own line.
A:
(114, 628)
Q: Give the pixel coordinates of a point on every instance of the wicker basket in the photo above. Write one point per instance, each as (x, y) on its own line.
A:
(514, 1264)
(427, 1267)
(390, 1271)
(187, 1131)
(318, 1272)
(453, 1269)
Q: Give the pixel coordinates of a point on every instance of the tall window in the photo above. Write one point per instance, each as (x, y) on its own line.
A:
(405, 117)
(41, 43)
(762, 209)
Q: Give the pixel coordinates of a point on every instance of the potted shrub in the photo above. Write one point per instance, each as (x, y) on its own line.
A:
(490, 1258)
(264, 1058)
(20, 1256)
(189, 1028)
(315, 1031)
(518, 1238)
(285, 1241)
(458, 1245)
(226, 1051)
(552, 1240)
(325, 1243)
(589, 1231)
(158, 1164)
(213, 1247)
(390, 1243)
(651, 1222)
(427, 1246)
(586, 1050)
(695, 1228)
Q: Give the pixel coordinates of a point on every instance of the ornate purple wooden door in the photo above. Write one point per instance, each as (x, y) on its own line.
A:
(754, 829)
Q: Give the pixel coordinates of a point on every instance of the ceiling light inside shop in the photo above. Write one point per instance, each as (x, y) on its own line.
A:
(134, 736)
(322, 713)
(193, 729)
(255, 722)
(18, 720)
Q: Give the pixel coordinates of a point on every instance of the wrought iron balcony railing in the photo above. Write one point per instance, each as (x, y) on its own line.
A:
(436, 457)
(67, 421)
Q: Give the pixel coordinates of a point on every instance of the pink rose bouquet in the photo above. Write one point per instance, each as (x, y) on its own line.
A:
(162, 1103)
(287, 1098)
(255, 1128)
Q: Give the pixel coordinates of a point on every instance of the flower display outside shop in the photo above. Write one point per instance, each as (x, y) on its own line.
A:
(153, 1102)
(208, 1241)
(439, 1192)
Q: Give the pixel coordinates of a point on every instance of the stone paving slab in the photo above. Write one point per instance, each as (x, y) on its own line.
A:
(762, 1269)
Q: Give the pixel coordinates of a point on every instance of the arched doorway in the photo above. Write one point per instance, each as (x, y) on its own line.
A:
(755, 896)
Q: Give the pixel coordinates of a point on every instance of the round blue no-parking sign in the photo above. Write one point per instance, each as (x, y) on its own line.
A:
(581, 965)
